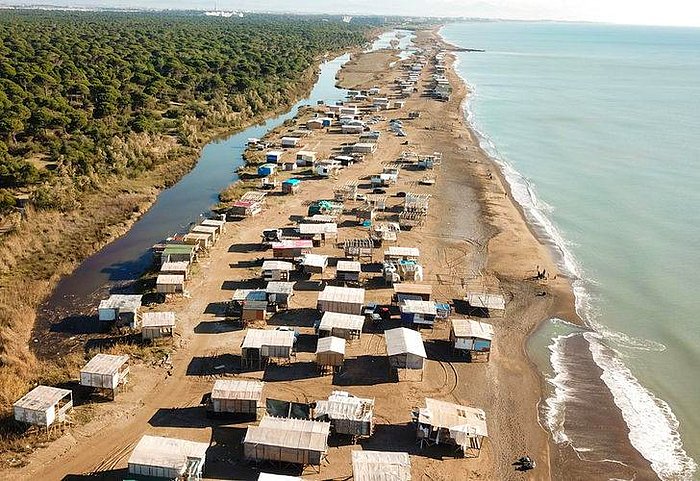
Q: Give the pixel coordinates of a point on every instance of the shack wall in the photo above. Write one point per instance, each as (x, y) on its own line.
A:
(243, 406)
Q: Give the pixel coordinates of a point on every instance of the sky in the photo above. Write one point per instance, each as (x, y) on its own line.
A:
(643, 12)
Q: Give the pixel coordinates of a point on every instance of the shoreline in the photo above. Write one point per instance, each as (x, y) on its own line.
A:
(565, 457)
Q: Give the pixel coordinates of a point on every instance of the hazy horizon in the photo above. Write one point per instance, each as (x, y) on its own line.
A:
(670, 13)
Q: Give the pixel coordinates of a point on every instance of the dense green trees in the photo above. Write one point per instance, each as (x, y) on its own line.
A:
(70, 83)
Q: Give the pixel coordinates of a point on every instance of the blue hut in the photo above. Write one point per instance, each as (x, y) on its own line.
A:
(266, 169)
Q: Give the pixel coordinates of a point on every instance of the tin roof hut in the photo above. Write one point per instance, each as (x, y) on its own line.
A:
(287, 440)
(170, 284)
(347, 414)
(168, 458)
(220, 224)
(347, 300)
(406, 353)
(261, 345)
(273, 270)
(420, 313)
(43, 406)
(315, 263)
(278, 293)
(318, 233)
(471, 338)
(291, 249)
(380, 466)
(348, 271)
(210, 230)
(396, 253)
(105, 372)
(157, 324)
(412, 291)
(123, 308)
(235, 396)
(347, 326)
(441, 422)
(330, 352)
(485, 304)
(181, 268)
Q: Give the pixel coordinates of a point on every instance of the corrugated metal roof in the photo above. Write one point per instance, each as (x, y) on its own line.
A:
(380, 466)
(352, 295)
(180, 266)
(256, 338)
(237, 389)
(348, 266)
(331, 344)
(277, 266)
(279, 287)
(315, 260)
(293, 244)
(165, 452)
(472, 328)
(316, 228)
(105, 364)
(290, 433)
(158, 319)
(411, 306)
(124, 302)
(485, 300)
(205, 229)
(338, 320)
(460, 419)
(396, 251)
(343, 405)
(214, 222)
(41, 398)
(170, 279)
(249, 295)
(402, 340)
(404, 288)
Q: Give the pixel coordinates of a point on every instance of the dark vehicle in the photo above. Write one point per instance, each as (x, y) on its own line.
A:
(401, 194)
(379, 191)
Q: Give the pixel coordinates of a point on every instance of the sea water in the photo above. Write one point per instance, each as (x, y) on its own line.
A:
(596, 128)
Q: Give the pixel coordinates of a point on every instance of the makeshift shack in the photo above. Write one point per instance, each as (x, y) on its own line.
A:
(412, 291)
(471, 338)
(267, 169)
(441, 422)
(288, 142)
(168, 458)
(219, 224)
(287, 440)
(330, 352)
(207, 230)
(279, 293)
(380, 466)
(244, 208)
(261, 345)
(179, 253)
(358, 248)
(418, 313)
(123, 308)
(43, 406)
(347, 414)
(347, 326)
(406, 353)
(291, 248)
(272, 157)
(485, 304)
(253, 307)
(318, 233)
(157, 324)
(105, 372)
(396, 253)
(235, 397)
(170, 284)
(315, 263)
(348, 271)
(291, 186)
(200, 241)
(276, 270)
(347, 300)
(181, 268)
(306, 157)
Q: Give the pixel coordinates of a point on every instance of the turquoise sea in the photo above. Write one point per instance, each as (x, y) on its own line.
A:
(597, 129)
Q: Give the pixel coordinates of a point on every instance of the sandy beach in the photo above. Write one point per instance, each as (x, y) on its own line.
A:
(474, 237)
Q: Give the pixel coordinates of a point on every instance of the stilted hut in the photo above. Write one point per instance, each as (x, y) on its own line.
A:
(105, 372)
(201, 241)
(276, 270)
(279, 293)
(348, 271)
(380, 466)
(44, 406)
(245, 208)
(463, 427)
(347, 414)
(179, 252)
(286, 440)
(315, 263)
(170, 284)
(235, 397)
(318, 233)
(291, 186)
(220, 225)
(122, 308)
(412, 291)
(168, 458)
(330, 353)
(485, 304)
(181, 268)
(358, 248)
(347, 300)
(212, 231)
(396, 253)
(471, 338)
(261, 345)
(157, 324)
(347, 326)
(291, 249)
(406, 353)
(418, 313)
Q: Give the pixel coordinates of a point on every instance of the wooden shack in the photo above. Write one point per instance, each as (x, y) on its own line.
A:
(43, 406)
(105, 372)
(330, 353)
(406, 353)
(220, 225)
(291, 186)
(254, 306)
(318, 233)
(347, 414)
(285, 440)
(348, 271)
(207, 230)
(157, 457)
(157, 324)
(181, 268)
(279, 293)
(306, 157)
(261, 345)
(347, 326)
(358, 248)
(471, 338)
(441, 422)
(179, 253)
(396, 253)
(412, 291)
(484, 304)
(380, 466)
(235, 397)
(201, 241)
(347, 300)
(315, 263)
(418, 313)
(273, 270)
(170, 284)
(291, 249)
(244, 208)
(122, 308)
